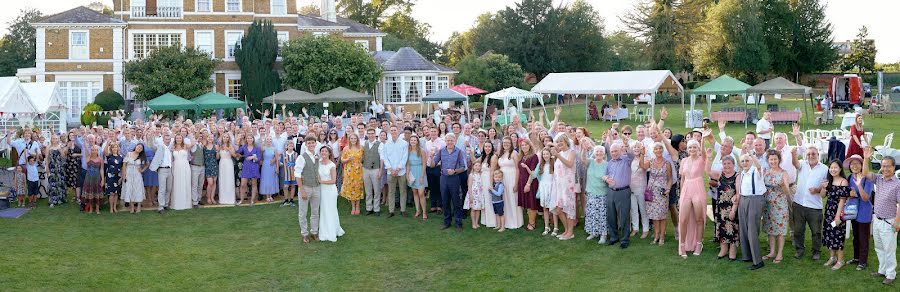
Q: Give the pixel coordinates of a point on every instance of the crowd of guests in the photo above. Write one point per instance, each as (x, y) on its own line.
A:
(624, 181)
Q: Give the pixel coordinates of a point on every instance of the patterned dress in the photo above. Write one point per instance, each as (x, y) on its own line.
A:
(210, 162)
(658, 209)
(475, 195)
(352, 187)
(56, 178)
(834, 236)
(73, 168)
(113, 171)
(776, 212)
(726, 228)
(564, 186)
(595, 211)
(92, 178)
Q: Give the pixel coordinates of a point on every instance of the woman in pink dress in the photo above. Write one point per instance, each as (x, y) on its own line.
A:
(564, 185)
(693, 200)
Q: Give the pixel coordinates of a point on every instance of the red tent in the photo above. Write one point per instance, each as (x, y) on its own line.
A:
(467, 90)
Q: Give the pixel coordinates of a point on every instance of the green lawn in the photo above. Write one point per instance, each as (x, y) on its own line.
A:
(259, 248)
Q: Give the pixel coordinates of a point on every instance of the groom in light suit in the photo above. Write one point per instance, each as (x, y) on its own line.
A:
(162, 164)
(306, 169)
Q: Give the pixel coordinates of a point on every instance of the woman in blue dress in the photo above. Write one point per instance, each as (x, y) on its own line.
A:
(210, 169)
(151, 179)
(268, 181)
(415, 173)
(112, 175)
(250, 169)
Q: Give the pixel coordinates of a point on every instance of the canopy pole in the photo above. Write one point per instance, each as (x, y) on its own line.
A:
(747, 117)
(653, 105)
(586, 113)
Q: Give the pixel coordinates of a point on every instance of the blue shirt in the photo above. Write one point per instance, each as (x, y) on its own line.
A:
(864, 211)
(31, 170)
(450, 160)
(497, 192)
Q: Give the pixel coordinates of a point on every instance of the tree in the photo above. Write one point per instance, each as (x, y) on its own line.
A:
(371, 12)
(310, 10)
(17, 49)
(101, 7)
(628, 52)
(320, 63)
(87, 114)
(490, 72)
(183, 72)
(778, 26)
(256, 58)
(732, 42)
(862, 53)
(406, 31)
(812, 38)
(457, 47)
(668, 28)
(109, 100)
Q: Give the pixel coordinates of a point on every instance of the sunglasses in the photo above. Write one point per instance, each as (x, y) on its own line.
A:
(627, 133)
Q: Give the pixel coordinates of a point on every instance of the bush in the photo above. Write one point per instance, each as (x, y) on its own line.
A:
(87, 114)
(476, 104)
(109, 100)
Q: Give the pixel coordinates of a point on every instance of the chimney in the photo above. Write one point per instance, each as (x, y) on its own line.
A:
(328, 10)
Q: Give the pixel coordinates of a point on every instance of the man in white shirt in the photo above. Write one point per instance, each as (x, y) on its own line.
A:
(306, 169)
(163, 170)
(764, 128)
(396, 152)
(807, 205)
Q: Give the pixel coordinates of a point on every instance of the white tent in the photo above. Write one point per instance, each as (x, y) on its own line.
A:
(45, 97)
(13, 98)
(620, 82)
(512, 93)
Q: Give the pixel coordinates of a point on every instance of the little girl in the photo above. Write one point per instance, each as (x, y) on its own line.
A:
(545, 186)
(497, 199)
(20, 184)
(473, 197)
(287, 162)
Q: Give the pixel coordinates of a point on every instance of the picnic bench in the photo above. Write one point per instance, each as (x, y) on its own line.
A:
(788, 116)
(729, 116)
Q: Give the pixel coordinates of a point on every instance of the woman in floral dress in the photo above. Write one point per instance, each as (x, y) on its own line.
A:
(112, 175)
(351, 165)
(564, 185)
(837, 191)
(55, 167)
(659, 183)
(726, 217)
(73, 165)
(775, 215)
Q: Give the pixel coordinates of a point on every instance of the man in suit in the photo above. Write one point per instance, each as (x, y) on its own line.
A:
(306, 169)
(372, 173)
(162, 164)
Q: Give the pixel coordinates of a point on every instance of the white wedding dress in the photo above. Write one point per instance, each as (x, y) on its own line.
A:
(329, 222)
(181, 180)
(226, 178)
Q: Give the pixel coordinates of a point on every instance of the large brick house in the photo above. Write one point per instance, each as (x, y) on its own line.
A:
(84, 51)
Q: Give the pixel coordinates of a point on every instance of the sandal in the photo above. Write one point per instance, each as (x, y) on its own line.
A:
(555, 231)
(529, 227)
(776, 260)
(546, 230)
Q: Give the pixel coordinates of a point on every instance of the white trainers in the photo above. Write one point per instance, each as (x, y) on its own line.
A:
(602, 239)
(591, 237)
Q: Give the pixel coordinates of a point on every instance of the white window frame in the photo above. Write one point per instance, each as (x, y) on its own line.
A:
(363, 44)
(209, 4)
(228, 86)
(94, 87)
(212, 40)
(319, 33)
(283, 38)
(87, 45)
(240, 4)
(227, 56)
(132, 32)
(282, 5)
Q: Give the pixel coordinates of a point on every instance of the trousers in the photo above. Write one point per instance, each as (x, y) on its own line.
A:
(618, 214)
(310, 205)
(372, 184)
(861, 232)
(165, 187)
(393, 183)
(804, 216)
(749, 215)
(885, 247)
(639, 210)
(451, 199)
(433, 176)
(197, 176)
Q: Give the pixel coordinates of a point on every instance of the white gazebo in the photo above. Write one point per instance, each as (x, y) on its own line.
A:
(45, 97)
(619, 82)
(513, 93)
(16, 108)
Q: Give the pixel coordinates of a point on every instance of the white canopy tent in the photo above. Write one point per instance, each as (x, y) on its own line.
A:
(513, 93)
(620, 82)
(45, 97)
(16, 108)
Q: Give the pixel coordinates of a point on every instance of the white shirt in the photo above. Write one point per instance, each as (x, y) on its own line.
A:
(812, 178)
(279, 140)
(300, 163)
(162, 148)
(761, 125)
(717, 161)
(395, 154)
(748, 178)
(432, 147)
(787, 163)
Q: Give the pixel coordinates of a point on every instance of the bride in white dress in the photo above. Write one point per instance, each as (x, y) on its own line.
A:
(329, 222)
(181, 175)
(226, 171)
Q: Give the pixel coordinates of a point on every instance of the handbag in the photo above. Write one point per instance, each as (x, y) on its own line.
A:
(648, 194)
(850, 209)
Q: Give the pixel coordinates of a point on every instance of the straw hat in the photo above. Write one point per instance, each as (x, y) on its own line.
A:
(851, 158)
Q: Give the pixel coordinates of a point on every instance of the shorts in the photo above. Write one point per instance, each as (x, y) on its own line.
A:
(289, 182)
(34, 188)
(498, 208)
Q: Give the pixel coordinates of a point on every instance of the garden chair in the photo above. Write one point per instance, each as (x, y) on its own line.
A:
(888, 139)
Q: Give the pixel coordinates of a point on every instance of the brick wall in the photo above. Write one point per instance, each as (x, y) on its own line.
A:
(57, 46)
(57, 43)
(108, 82)
(49, 78)
(101, 42)
(371, 41)
(220, 83)
(78, 66)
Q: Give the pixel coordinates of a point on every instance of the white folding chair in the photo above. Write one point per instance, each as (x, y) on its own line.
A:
(888, 139)
(837, 134)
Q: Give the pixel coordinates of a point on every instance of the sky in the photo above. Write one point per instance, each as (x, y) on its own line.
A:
(447, 16)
